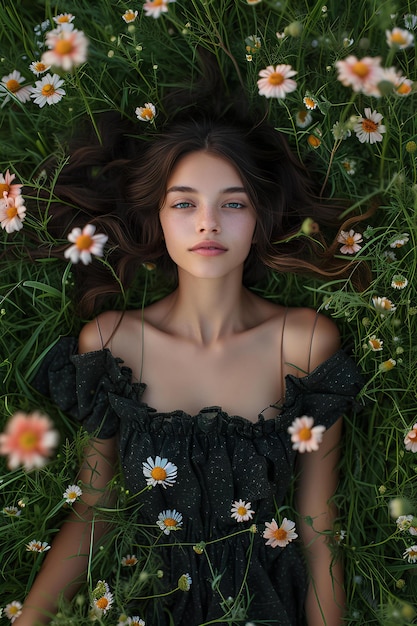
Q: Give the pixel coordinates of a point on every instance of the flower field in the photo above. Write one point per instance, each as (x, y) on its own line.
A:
(339, 81)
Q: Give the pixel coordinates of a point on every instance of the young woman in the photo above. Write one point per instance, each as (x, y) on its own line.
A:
(200, 394)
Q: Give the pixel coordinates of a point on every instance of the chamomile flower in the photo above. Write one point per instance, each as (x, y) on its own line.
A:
(279, 536)
(349, 165)
(37, 546)
(383, 305)
(169, 521)
(303, 118)
(13, 610)
(28, 439)
(129, 16)
(399, 38)
(404, 522)
(388, 365)
(72, 493)
(135, 621)
(305, 436)
(48, 90)
(375, 343)
(64, 18)
(85, 244)
(350, 241)
(146, 113)
(38, 68)
(276, 82)
(155, 8)
(310, 102)
(400, 241)
(363, 75)
(410, 440)
(369, 128)
(399, 281)
(67, 47)
(11, 511)
(130, 560)
(11, 85)
(241, 511)
(12, 212)
(159, 471)
(411, 554)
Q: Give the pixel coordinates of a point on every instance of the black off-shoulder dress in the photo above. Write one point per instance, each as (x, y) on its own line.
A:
(220, 458)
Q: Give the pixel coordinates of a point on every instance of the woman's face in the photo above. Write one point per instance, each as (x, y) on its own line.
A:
(207, 218)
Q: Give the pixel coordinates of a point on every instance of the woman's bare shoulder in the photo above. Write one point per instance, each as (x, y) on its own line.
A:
(95, 335)
(311, 337)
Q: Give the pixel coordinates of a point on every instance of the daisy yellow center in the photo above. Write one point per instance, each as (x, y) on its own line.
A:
(398, 38)
(13, 610)
(242, 510)
(276, 79)
(158, 473)
(399, 283)
(28, 440)
(102, 603)
(37, 547)
(360, 69)
(347, 166)
(302, 115)
(129, 16)
(304, 434)
(13, 85)
(375, 343)
(130, 561)
(48, 90)
(404, 89)
(280, 534)
(64, 46)
(349, 241)
(72, 495)
(170, 521)
(4, 188)
(84, 242)
(63, 19)
(388, 365)
(157, 3)
(310, 103)
(11, 212)
(413, 554)
(314, 141)
(147, 114)
(40, 67)
(369, 126)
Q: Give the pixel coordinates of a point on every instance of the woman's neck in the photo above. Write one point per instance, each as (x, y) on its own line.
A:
(208, 310)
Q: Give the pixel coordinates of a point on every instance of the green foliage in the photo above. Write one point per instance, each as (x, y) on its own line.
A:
(127, 66)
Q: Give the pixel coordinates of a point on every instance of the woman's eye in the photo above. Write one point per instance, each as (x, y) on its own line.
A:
(182, 205)
(234, 205)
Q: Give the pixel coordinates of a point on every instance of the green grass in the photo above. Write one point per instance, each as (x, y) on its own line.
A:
(127, 66)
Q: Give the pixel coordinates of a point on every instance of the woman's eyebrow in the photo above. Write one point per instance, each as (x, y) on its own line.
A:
(184, 188)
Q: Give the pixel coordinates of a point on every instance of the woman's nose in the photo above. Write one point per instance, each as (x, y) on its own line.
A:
(208, 220)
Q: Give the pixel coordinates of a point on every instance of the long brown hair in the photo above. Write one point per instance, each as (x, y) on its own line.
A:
(119, 184)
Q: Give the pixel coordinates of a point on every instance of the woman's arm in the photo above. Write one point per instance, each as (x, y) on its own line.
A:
(318, 481)
(67, 561)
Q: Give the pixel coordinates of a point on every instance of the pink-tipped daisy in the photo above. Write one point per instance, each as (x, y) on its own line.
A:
(350, 241)
(305, 436)
(159, 471)
(67, 48)
(363, 75)
(12, 85)
(369, 128)
(155, 8)
(12, 213)
(48, 90)
(276, 82)
(28, 440)
(410, 440)
(6, 185)
(85, 244)
(279, 536)
(241, 511)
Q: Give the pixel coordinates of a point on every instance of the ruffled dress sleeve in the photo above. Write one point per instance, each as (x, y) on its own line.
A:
(82, 385)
